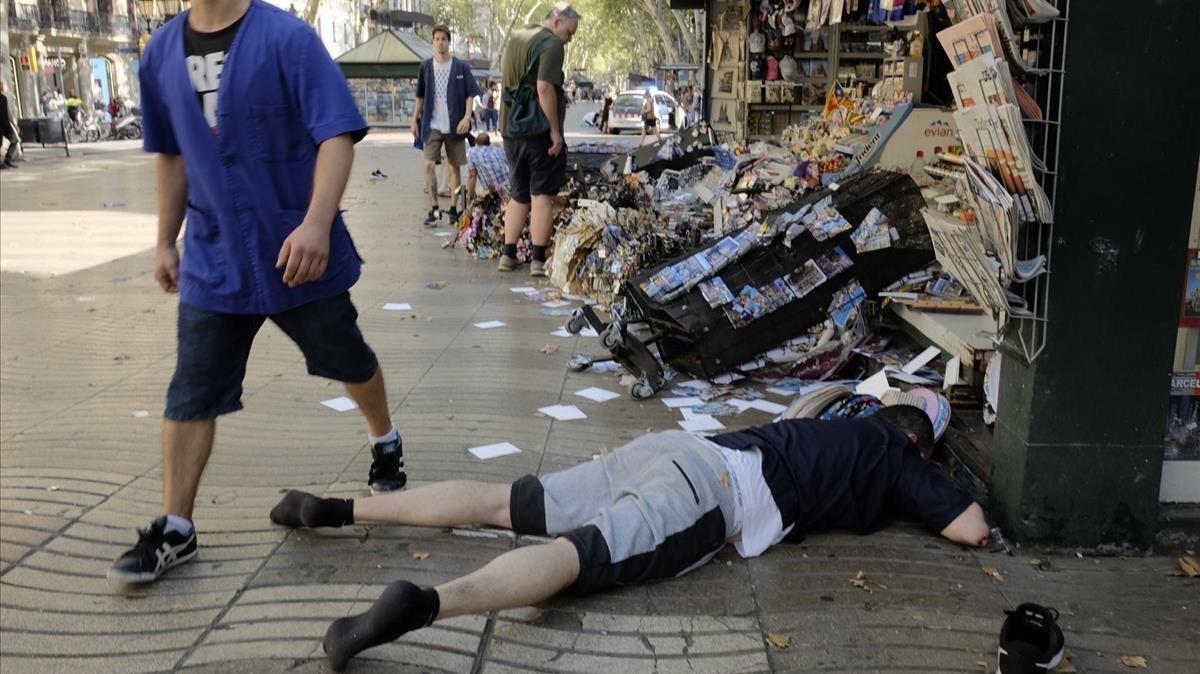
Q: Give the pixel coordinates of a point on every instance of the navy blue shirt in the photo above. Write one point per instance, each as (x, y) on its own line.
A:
(853, 475)
(249, 151)
(461, 88)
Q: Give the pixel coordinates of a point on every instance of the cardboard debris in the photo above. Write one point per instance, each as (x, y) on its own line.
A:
(1190, 566)
(420, 556)
(1133, 661)
(780, 641)
(993, 572)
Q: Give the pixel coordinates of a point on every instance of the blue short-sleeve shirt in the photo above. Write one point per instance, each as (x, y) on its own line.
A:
(249, 184)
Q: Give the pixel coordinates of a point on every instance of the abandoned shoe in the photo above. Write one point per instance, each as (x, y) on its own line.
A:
(507, 263)
(1030, 641)
(158, 549)
(537, 268)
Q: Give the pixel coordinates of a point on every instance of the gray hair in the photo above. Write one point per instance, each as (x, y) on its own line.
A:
(564, 10)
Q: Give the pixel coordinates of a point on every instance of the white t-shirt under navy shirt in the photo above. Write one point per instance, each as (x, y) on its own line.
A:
(441, 85)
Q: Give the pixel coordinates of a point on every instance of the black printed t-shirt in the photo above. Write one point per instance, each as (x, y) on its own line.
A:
(205, 62)
(851, 475)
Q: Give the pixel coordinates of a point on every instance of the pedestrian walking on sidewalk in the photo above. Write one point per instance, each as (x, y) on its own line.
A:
(532, 112)
(446, 91)
(649, 118)
(6, 130)
(258, 170)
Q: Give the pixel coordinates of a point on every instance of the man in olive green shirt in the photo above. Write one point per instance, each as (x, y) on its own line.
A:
(538, 164)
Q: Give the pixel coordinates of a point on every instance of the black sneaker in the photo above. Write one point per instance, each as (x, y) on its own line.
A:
(453, 215)
(9, 164)
(387, 467)
(434, 218)
(1030, 641)
(156, 551)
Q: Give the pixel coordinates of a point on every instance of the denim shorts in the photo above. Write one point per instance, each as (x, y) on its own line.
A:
(214, 347)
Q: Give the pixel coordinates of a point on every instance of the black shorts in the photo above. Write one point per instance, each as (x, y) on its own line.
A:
(533, 172)
(214, 347)
(651, 124)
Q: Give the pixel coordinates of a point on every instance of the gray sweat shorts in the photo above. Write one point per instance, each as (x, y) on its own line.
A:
(655, 508)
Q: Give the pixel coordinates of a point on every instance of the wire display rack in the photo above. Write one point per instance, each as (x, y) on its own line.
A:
(1027, 332)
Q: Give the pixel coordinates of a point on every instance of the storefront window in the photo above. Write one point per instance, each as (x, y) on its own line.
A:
(385, 101)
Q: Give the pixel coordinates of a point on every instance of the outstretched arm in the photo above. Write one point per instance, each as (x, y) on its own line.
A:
(969, 528)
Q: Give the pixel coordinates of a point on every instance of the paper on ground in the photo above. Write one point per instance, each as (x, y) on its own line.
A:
(696, 384)
(589, 332)
(780, 391)
(141, 414)
(492, 451)
(441, 233)
(740, 404)
(701, 422)
(524, 289)
(340, 404)
(952, 370)
(922, 360)
(573, 298)
(397, 306)
(875, 385)
(682, 402)
(901, 375)
(563, 412)
(598, 394)
(556, 304)
(768, 406)
(487, 325)
(561, 332)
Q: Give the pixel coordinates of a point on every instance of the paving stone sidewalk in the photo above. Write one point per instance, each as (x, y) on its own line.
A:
(85, 361)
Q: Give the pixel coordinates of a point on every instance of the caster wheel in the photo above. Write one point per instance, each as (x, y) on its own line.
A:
(641, 390)
(579, 363)
(612, 339)
(576, 323)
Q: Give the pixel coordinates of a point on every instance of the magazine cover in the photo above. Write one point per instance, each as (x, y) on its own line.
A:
(1183, 418)
(1189, 316)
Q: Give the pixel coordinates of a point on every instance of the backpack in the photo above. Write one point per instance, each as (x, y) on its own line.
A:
(524, 113)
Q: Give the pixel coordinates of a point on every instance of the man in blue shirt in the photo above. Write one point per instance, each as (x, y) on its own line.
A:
(656, 508)
(254, 129)
(446, 91)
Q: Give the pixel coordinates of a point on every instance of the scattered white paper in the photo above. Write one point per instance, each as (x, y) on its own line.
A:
(779, 391)
(488, 325)
(589, 332)
(682, 402)
(561, 332)
(573, 298)
(875, 385)
(340, 404)
(740, 404)
(141, 414)
(524, 289)
(492, 451)
(901, 375)
(441, 233)
(727, 378)
(397, 306)
(556, 304)
(701, 422)
(605, 366)
(598, 394)
(922, 360)
(768, 406)
(696, 384)
(833, 187)
(563, 412)
(952, 372)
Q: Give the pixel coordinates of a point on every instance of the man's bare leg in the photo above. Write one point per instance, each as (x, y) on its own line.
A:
(371, 398)
(514, 221)
(517, 578)
(455, 181)
(541, 221)
(431, 183)
(442, 504)
(186, 448)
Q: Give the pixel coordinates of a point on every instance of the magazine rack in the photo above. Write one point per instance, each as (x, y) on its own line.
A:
(1026, 333)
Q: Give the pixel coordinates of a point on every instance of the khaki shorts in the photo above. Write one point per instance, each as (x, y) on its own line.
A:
(456, 148)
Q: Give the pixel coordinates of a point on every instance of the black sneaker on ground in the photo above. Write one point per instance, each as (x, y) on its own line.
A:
(1030, 641)
(156, 551)
(453, 214)
(387, 467)
(9, 164)
(434, 218)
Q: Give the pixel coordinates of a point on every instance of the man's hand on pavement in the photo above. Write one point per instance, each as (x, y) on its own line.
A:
(305, 253)
(556, 144)
(166, 268)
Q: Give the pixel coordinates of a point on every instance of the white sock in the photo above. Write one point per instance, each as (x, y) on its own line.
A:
(390, 436)
(180, 524)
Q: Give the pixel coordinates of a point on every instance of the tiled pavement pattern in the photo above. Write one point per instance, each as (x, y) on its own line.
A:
(84, 351)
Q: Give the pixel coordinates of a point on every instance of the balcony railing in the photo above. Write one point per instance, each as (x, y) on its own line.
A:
(23, 16)
(52, 15)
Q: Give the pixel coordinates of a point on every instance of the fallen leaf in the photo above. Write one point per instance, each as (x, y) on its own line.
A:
(993, 572)
(550, 349)
(1191, 567)
(860, 580)
(984, 666)
(780, 641)
(1134, 661)
(420, 556)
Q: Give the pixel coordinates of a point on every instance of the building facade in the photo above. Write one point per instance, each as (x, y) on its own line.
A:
(86, 48)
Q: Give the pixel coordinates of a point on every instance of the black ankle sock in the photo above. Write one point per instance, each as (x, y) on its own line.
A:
(510, 249)
(403, 607)
(300, 509)
(539, 253)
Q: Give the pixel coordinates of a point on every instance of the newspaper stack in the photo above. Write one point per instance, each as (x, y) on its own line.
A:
(960, 249)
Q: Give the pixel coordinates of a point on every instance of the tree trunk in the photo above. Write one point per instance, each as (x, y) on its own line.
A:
(689, 38)
(664, 30)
